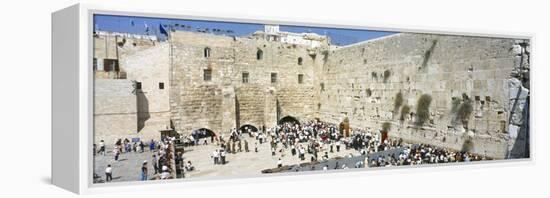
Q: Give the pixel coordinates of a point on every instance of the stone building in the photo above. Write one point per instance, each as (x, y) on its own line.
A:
(131, 86)
(456, 92)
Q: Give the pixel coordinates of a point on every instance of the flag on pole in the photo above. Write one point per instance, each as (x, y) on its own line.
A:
(163, 30)
(146, 27)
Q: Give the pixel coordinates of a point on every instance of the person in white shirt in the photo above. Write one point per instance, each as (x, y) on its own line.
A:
(215, 155)
(108, 173)
(165, 173)
(279, 163)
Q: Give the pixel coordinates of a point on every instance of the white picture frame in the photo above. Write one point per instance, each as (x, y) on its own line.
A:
(72, 99)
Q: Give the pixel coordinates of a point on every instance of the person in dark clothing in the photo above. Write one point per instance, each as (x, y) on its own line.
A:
(141, 147)
(144, 171)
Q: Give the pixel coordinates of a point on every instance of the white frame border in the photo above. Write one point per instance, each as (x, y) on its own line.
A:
(85, 186)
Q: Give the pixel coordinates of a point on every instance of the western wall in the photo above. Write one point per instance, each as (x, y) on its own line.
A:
(469, 80)
(477, 87)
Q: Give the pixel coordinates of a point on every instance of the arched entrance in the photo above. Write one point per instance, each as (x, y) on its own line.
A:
(203, 133)
(344, 127)
(289, 119)
(247, 127)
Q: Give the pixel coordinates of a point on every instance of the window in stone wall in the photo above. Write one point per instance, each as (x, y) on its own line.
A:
(207, 76)
(110, 65)
(273, 77)
(245, 77)
(161, 85)
(300, 78)
(259, 54)
(300, 60)
(207, 52)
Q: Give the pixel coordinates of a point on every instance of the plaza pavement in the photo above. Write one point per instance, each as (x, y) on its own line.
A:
(241, 164)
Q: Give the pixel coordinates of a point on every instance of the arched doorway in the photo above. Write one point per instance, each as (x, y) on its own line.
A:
(289, 119)
(203, 133)
(247, 127)
(344, 127)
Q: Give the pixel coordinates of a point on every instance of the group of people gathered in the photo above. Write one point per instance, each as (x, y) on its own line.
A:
(319, 139)
(160, 163)
(235, 143)
(315, 138)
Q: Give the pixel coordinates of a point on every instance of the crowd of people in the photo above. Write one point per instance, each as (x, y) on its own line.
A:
(314, 139)
(161, 158)
(424, 154)
(318, 137)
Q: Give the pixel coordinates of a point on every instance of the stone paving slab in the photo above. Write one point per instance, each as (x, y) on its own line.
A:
(128, 168)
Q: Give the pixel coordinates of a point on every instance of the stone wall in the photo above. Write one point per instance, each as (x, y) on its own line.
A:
(479, 87)
(240, 102)
(142, 61)
(149, 65)
(115, 113)
(196, 103)
(460, 74)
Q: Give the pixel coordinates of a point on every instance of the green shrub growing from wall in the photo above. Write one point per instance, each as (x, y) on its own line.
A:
(398, 101)
(462, 109)
(404, 111)
(369, 92)
(386, 126)
(423, 109)
(387, 74)
(467, 146)
(455, 104)
(325, 56)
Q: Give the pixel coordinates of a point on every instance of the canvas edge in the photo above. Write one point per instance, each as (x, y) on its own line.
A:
(85, 159)
(65, 102)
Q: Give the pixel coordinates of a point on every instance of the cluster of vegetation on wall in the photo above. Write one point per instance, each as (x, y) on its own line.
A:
(404, 111)
(428, 55)
(325, 56)
(468, 145)
(397, 102)
(423, 109)
(369, 92)
(387, 75)
(386, 126)
(462, 109)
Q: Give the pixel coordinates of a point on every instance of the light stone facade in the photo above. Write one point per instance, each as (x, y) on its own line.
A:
(222, 82)
(141, 59)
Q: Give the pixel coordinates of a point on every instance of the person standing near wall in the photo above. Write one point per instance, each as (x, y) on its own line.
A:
(108, 173)
(215, 156)
(101, 147)
(155, 164)
(222, 156)
(116, 151)
(144, 171)
(152, 145)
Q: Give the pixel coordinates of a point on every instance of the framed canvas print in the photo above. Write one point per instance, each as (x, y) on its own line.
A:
(172, 98)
